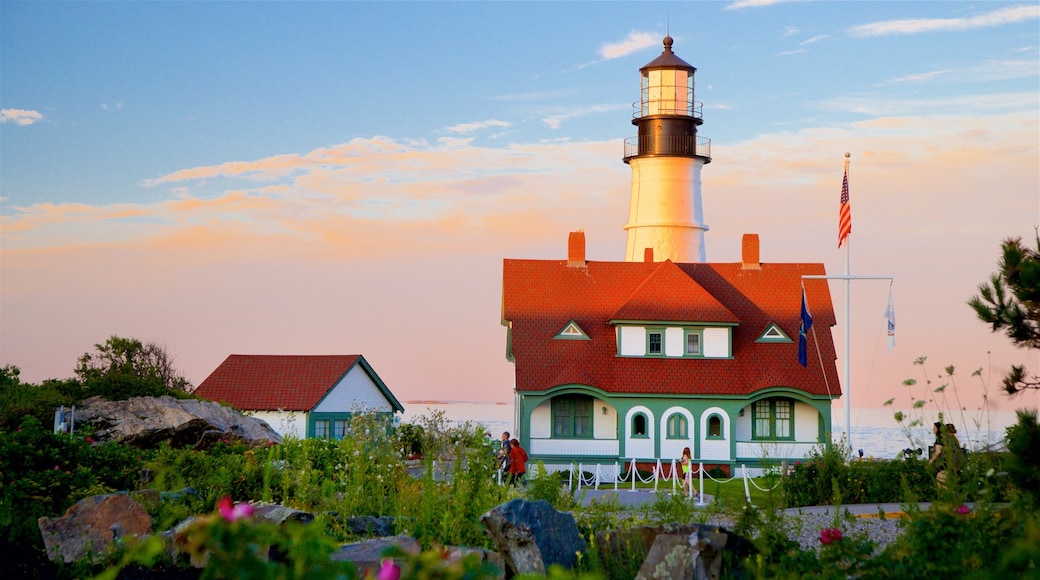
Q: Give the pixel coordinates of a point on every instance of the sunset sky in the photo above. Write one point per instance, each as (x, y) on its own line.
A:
(347, 177)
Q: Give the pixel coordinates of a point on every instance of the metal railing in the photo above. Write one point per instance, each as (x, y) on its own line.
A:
(684, 145)
(690, 108)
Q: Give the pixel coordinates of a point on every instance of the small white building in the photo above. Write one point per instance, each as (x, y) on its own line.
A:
(300, 395)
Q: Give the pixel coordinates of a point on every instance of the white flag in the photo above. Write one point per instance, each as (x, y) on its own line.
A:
(890, 315)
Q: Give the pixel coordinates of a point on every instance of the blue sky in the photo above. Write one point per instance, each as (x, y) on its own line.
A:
(287, 177)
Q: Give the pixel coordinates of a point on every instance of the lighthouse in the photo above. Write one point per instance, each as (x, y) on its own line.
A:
(666, 156)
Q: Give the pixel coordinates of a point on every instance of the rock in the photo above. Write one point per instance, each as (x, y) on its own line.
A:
(147, 421)
(368, 555)
(280, 514)
(91, 525)
(455, 554)
(532, 536)
(677, 551)
(370, 525)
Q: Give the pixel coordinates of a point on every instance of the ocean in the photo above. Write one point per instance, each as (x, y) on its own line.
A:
(875, 431)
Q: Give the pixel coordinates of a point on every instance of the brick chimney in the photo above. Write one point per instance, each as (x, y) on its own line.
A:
(749, 257)
(648, 255)
(576, 249)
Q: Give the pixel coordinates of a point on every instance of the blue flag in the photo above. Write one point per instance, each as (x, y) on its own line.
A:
(803, 356)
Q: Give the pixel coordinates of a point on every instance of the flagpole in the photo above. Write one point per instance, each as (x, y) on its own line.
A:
(848, 301)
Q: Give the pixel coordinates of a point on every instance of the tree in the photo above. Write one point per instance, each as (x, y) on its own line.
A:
(126, 367)
(1010, 303)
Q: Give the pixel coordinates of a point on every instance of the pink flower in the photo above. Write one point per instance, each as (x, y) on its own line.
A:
(389, 571)
(56, 468)
(89, 439)
(963, 510)
(234, 512)
(828, 535)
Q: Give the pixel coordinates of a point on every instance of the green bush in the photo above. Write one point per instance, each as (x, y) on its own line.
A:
(43, 474)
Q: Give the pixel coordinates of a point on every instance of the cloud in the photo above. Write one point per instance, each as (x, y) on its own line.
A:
(741, 4)
(554, 121)
(476, 126)
(979, 103)
(1000, 17)
(916, 78)
(21, 117)
(790, 52)
(634, 42)
(816, 38)
(115, 107)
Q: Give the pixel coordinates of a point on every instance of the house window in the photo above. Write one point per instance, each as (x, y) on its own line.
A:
(572, 416)
(655, 342)
(321, 428)
(639, 425)
(715, 427)
(677, 426)
(773, 419)
(693, 343)
(339, 429)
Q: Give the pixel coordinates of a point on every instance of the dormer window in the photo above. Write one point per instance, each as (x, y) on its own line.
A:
(655, 343)
(693, 343)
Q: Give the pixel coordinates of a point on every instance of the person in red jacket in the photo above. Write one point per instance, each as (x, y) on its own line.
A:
(517, 463)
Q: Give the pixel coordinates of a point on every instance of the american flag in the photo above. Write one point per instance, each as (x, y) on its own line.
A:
(845, 214)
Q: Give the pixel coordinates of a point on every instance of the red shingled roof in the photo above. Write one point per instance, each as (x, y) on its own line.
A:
(541, 296)
(271, 382)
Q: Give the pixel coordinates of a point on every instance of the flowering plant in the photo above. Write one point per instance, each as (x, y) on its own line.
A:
(828, 535)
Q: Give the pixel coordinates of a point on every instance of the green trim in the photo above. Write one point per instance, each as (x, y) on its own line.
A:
(654, 331)
(646, 426)
(707, 428)
(565, 413)
(571, 331)
(772, 418)
(699, 333)
(772, 330)
(626, 322)
(395, 405)
(681, 422)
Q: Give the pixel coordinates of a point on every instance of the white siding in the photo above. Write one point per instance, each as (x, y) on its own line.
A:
(285, 423)
(355, 392)
(541, 421)
(716, 342)
(742, 425)
(604, 425)
(672, 448)
(673, 342)
(633, 341)
(714, 449)
(640, 447)
(806, 423)
(774, 451)
(574, 447)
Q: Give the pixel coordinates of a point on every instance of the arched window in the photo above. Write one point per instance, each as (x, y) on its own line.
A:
(677, 426)
(639, 425)
(715, 427)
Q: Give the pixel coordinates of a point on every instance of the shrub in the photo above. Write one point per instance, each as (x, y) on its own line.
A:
(43, 474)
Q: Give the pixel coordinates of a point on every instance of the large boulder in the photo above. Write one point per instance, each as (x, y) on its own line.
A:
(147, 421)
(680, 551)
(531, 536)
(92, 525)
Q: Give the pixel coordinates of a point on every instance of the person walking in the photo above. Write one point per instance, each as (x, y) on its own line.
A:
(687, 471)
(503, 453)
(517, 463)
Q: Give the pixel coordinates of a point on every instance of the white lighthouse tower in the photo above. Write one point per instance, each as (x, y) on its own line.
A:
(665, 213)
